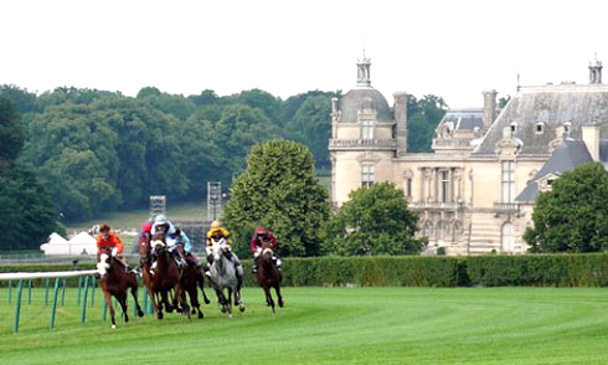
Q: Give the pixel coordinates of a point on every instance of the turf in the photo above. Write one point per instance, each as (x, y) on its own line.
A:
(330, 326)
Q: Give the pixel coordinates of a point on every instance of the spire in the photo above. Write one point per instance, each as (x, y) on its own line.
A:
(595, 71)
(363, 67)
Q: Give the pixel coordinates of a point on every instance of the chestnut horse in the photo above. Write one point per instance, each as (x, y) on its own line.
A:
(115, 281)
(269, 276)
(192, 280)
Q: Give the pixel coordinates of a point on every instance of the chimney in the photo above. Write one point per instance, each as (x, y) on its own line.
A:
(591, 138)
(489, 107)
(400, 117)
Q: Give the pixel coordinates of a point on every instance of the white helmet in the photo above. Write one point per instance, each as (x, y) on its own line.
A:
(160, 219)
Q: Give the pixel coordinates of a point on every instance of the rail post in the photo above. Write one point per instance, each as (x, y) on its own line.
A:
(18, 306)
(54, 309)
(84, 300)
(46, 292)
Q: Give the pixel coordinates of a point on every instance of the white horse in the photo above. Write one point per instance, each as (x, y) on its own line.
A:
(224, 276)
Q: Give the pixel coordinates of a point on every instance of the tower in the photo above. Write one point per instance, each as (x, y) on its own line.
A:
(595, 71)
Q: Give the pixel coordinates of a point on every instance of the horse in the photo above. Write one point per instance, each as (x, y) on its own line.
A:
(224, 276)
(192, 280)
(163, 278)
(269, 276)
(115, 281)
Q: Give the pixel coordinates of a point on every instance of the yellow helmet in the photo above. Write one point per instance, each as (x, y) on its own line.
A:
(215, 224)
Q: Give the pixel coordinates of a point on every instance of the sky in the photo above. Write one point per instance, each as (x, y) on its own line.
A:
(452, 49)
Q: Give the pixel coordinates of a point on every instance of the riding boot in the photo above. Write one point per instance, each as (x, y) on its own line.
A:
(206, 267)
(254, 268)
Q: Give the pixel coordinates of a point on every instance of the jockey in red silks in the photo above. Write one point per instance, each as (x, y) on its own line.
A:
(110, 240)
(262, 235)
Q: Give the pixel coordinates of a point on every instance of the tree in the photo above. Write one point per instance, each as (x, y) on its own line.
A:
(11, 134)
(375, 221)
(311, 126)
(27, 213)
(278, 190)
(423, 117)
(573, 216)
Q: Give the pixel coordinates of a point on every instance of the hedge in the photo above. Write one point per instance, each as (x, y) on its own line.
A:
(557, 270)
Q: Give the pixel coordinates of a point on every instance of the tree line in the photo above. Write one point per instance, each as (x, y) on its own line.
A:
(95, 150)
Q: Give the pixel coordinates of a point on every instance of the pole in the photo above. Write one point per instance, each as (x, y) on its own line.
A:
(93, 291)
(79, 290)
(18, 306)
(46, 292)
(84, 300)
(10, 291)
(63, 292)
(53, 310)
(29, 292)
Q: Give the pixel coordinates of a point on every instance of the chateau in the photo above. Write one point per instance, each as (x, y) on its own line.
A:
(476, 191)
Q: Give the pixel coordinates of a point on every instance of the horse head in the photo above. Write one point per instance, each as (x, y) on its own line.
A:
(103, 265)
(144, 246)
(218, 247)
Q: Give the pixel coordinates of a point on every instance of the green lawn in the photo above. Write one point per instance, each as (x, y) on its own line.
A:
(332, 326)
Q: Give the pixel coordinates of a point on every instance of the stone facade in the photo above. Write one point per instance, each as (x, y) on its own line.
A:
(476, 191)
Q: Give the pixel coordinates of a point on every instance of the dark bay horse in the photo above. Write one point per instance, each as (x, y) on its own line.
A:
(223, 277)
(163, 278)
(192, 280)
(115, 281)
(269, 276)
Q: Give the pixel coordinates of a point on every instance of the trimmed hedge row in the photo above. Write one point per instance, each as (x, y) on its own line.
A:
(560, 270)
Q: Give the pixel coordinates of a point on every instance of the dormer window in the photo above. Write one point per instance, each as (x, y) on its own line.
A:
(567, 127)
(540, 128)
(513, 127)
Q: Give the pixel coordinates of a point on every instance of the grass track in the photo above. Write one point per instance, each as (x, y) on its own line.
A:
(331, 326)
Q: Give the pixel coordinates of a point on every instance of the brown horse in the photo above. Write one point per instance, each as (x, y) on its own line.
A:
(115, 281)
(269, 276)
(192, 280)
(163, 278)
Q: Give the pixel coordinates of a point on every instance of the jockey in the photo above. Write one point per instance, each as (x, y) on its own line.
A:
(183, 247)
(217, 232)
(162, 224)
(262, 235)
(110, 240)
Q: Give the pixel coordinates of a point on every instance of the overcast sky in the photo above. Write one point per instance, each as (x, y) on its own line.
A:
(453, 49)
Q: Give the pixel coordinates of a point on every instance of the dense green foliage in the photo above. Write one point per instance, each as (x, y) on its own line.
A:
(423, 117)
(538, 270)
(498, 326)
(27, 212)
(278, 190)
(374, 221)
(573, 216)
(97, 150)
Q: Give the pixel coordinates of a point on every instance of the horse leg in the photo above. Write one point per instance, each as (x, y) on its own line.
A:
(277, 289)
(229, 302)
(269, 301)
(165, 300)
(134, 289)
(122, 300)
(108, 297)
(180, 294)
(201, 284)
(157, 304)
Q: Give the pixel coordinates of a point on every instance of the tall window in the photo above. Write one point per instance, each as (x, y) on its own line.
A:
(508, 181)
(367, 174)
(367, 130)
(445, 186)
(507, 238)
(408, 187)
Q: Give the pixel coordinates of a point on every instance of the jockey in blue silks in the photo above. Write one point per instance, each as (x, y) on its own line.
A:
(176, 240)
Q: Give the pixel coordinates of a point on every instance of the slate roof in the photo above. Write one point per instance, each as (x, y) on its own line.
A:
(552, 105)
(463, 118)
(566, 157)
(364, 98)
